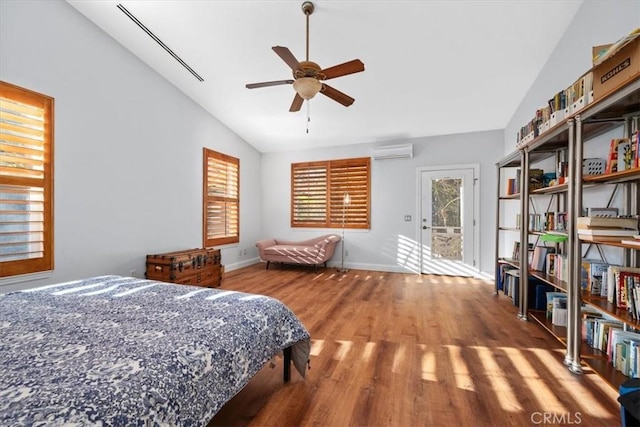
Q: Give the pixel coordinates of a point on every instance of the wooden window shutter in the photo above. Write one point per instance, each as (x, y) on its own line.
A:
(221, 199)
(26, 181)
(349, 177)
(318, 190)
(309, 194)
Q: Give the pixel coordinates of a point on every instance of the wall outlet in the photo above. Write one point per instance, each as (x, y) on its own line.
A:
(133, 273)
(346, 253)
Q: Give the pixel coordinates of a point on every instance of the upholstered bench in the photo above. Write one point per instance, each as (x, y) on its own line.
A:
(307, 252)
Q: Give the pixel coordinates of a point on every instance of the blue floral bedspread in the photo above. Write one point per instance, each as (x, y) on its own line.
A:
(119, 351)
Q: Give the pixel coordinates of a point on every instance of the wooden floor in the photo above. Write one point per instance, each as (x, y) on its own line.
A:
(394, 349)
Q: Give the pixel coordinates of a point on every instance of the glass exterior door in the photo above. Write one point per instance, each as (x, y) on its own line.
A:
(447, 221)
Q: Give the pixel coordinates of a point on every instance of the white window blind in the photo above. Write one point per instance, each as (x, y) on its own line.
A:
(221, 199)
(26, 181)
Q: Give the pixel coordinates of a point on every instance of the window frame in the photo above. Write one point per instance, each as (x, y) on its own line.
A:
(45, 262)
(206, 198)
(357, 215)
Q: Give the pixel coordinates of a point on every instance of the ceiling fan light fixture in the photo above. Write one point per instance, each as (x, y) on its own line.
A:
(307, 87)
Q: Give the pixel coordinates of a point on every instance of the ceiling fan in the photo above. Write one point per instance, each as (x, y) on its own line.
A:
(308, 77)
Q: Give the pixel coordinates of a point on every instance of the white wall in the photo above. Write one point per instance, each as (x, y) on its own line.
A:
(595, 23)
(393, 195)
(128, 146)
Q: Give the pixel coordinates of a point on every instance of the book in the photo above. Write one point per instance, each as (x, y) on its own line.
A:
(550, 297)
(585, 275)
(585, 222)
(559, 313)
(550, 267)
(596, 272)
(619, 232)
(587, 238)
(625, 155)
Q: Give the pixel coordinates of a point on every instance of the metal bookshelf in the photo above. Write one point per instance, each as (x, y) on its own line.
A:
(569, 136)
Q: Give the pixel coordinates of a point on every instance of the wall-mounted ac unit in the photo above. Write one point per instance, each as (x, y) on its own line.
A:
(393, 152)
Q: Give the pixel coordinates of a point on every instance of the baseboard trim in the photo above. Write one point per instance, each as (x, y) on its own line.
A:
(387, 268)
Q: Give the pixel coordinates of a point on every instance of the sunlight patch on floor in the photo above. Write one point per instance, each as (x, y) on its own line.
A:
(368, 351)
(398, 358)
(428, 364)
(544, 395)
(344, 347)
(460, 369)
(576, 390)
(498, 379)
(316, 347)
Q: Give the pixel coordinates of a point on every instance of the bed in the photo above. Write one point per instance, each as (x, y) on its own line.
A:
(114, 350)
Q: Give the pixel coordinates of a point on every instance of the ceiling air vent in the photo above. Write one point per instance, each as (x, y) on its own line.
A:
(403, 151)
(160, 42)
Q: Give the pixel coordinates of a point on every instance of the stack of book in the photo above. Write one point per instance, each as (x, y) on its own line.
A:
(593, 228)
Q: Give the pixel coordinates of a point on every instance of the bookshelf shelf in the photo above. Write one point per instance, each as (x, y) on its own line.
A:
(606, 371)
(510, 197)
(560, 188)
(615, 243)
(613, 178)
(511, 262)
(509, 229)
(550, 280)
(602, 304)
(560, 333)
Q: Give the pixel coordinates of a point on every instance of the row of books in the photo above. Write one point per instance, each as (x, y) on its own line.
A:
(619, 285)
(624, 154)
(540, 258)
(608, 335)
(561, 105)
(550, 221)
(536, 180)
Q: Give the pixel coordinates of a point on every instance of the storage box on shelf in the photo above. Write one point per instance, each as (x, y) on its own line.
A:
(622, 65)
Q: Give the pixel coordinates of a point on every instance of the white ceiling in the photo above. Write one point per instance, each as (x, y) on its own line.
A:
(431, 67)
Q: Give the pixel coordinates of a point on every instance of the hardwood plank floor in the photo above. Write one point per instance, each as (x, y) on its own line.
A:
(393, 349)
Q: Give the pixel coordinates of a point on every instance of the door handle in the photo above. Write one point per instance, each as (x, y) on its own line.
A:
(424, 227)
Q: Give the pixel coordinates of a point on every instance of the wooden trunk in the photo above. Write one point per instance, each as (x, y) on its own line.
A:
(198, 267)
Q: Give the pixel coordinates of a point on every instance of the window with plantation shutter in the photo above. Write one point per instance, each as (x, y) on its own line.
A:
(26, 181)
(221, 199)
(319, 191)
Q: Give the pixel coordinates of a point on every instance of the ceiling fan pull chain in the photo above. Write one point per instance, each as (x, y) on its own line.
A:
(308, 114)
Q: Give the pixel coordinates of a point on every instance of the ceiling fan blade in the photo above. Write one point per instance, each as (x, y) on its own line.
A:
(287, 56)
(336, 95)
(265, 84)
(296, 104)
(350, 67)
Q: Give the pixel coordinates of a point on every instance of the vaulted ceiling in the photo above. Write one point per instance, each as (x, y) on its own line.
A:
(431, 67)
